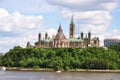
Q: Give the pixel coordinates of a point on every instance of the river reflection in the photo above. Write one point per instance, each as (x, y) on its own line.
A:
(19, 75)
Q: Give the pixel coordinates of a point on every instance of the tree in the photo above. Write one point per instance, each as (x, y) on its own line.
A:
(62, 58)
(57, 64)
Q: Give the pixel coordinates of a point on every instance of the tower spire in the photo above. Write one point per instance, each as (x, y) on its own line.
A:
(82, 35)
(89, 37)
(72, 22)
(60, 28)
(72, 29)
(39, 37)
(46, 35)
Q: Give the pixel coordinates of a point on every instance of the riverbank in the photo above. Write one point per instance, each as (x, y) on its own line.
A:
(89, 70)
(28, 69)
(51, 70)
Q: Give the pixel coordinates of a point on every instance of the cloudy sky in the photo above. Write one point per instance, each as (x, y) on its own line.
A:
(22, 20)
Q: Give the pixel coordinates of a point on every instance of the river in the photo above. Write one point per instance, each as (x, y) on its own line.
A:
(22, 75)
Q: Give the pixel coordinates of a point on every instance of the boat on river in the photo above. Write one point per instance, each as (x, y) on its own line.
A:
(2, 68)
(58, 71)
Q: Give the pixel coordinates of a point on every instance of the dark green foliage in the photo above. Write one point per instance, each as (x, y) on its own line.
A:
(62, 58)
(95, 64)
(115, 47)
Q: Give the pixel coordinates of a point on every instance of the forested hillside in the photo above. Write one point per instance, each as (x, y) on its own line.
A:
(62, 58)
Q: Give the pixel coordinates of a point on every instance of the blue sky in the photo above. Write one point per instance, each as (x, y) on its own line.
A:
(22, 20)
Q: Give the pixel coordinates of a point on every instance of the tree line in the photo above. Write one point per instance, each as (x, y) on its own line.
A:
(62, 58)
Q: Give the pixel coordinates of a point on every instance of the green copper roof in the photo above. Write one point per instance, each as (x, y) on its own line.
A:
(74, 40)
(95, 38)
(85, 39)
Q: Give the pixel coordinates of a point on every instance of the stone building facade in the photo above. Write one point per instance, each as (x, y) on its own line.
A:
(112, 41)
(60, 40)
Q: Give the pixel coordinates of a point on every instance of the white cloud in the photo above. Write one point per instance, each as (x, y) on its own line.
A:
(92, 17)
(70, 2)
(16, 22)
(109, 5)
(3, 13)
(51, 32)
(17, 29)
(89, 15)
(113, 34)
(95, 21)
(26, 6)
(85, 4)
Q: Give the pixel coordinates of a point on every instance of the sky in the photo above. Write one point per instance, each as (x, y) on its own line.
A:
(22, 20)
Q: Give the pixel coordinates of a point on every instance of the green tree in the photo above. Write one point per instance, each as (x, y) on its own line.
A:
(57, 64)
(62, 58)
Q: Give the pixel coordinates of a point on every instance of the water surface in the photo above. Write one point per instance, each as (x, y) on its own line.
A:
(21, 75)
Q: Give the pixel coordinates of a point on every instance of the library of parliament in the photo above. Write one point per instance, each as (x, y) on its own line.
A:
(60, 40)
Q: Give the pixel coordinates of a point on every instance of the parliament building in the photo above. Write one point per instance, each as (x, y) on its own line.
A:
(60, 40)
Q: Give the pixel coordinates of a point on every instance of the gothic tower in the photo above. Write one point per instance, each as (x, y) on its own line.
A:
(46, 35)
(82, 35)
(89, 37)
(98, 42)
(28, 44)
(39, 37)
(72, 29)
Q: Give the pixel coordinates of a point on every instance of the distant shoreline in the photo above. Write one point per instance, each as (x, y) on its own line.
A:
(51, 70)
(27, 69)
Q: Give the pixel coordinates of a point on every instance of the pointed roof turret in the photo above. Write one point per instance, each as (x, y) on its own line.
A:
(28, 44)
(39, 37)
(89, 31)
(46, 35)
(72, 21)
(60, 34)
(60, 28)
